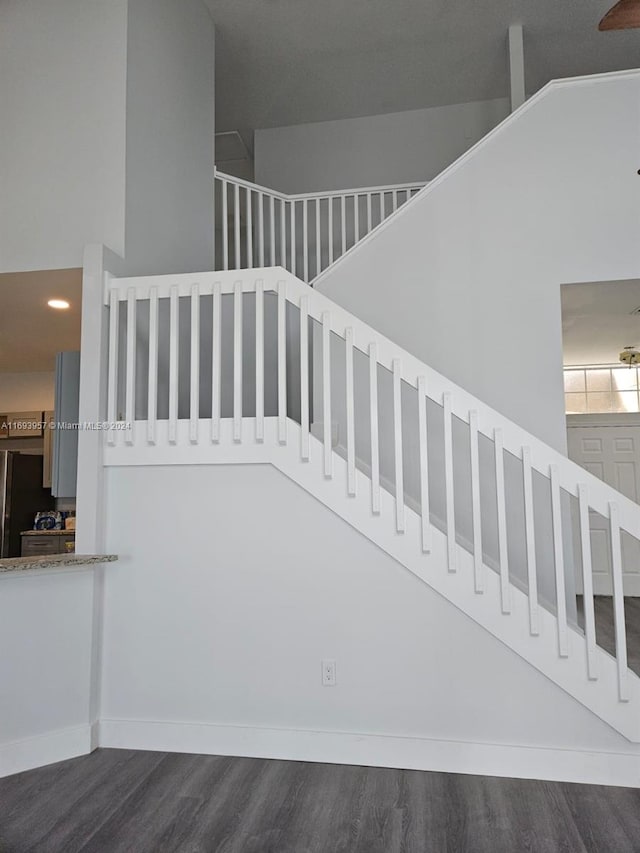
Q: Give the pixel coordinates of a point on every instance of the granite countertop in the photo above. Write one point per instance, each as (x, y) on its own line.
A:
(48, 533)
(53, 561)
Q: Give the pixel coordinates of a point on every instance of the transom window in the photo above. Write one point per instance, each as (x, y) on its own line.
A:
(597, 390)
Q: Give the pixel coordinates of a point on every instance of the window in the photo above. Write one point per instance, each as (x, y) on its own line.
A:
(597, 390)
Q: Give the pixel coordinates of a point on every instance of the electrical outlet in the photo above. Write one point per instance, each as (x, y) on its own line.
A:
(328, 673)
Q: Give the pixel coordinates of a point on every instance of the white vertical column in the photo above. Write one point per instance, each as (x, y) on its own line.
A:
(282, 363)
(272, 231)
(130, 377)
(558, 555)
(618, 603)
(478, 563)
(516, 66)
(587, 583)
(529, 526)
(283, 235)
(194, 391)
(293, 237)
(173, 364)
(503, 553)
(249, 228)
(356, 218)
(373, 414)
(304, 378)
(350, 403)
(112, 386)
(318, 238)
(152, 398)
(369, 213)
(225, 226)
(397, 443)
(261, 228)
(236, 225)
(424, 465)
(326, 393)
(237, 361)
(305, 238)
(343, 224)
(259, 360)
(330, 227)
(216, 362)
(450, 505)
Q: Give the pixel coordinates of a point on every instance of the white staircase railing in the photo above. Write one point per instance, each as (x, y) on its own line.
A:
(222, 367)
(303, 233)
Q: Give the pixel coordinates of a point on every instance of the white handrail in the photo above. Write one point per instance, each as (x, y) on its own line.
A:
(336, 323)
(319, 226)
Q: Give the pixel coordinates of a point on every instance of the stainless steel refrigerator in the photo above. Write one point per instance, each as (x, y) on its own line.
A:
(21, 496)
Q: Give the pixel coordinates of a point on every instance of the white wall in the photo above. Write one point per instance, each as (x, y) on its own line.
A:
(468, 276)
(45, 634)
(62, 147)
(373, 150)
(27, 392)
(170, 128)
(220, 615)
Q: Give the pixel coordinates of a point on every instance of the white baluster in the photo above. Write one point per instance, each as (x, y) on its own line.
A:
(532, 571)
(326, 393)
(130, 387)
(450, 505)
(369, 213)
(282, 363)
(173, 364)
(272, 231)
(478, 563)
(397, 442)
(330, 228)
(373, 410)
(236, 225)
(261, 233)
(351, 439)
(194, 396)
(558, 555)
(237, 361)
(152, 398)
(283, 235)
(618, 603)
(112, 396)
(356, 219)
(216, 362)
(318, 244)
(503, 553)
(304, 378)
(293, 238)
(305, 238)
(259, 360)
(225, 227)
(249, 229)
(424, 465)
(587, 583)
(343, 224)
(394, 201)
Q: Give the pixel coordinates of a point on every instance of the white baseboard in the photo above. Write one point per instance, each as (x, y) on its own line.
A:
(410, 753)
(40, 750)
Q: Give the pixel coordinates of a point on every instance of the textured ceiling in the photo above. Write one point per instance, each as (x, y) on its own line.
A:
(31, 333)
(284, 62)
(597, 322)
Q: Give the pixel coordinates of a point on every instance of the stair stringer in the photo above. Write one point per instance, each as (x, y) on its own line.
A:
(541, 651)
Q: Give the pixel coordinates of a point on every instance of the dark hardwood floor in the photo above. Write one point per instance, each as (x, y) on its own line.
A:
(151, 802)
(605, 630)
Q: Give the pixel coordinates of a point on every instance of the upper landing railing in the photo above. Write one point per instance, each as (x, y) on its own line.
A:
(304, 233)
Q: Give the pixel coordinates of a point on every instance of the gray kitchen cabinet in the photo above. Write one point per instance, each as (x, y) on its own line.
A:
(65, 435)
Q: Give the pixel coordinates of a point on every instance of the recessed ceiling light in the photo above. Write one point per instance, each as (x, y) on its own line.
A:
(58, 303)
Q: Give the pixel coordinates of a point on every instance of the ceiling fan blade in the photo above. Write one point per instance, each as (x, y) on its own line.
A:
(625, 15)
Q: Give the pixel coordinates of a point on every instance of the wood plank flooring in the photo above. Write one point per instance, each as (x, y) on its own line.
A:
(114, 801)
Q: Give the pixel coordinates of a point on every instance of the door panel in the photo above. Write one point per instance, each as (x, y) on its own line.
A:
(611, 453)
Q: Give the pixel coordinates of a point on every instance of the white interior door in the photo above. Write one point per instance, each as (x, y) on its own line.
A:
(611, 453)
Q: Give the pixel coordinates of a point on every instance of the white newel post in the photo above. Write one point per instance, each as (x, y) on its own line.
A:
(97, 261)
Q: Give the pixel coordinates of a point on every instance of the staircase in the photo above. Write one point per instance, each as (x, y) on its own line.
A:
(254, 366)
